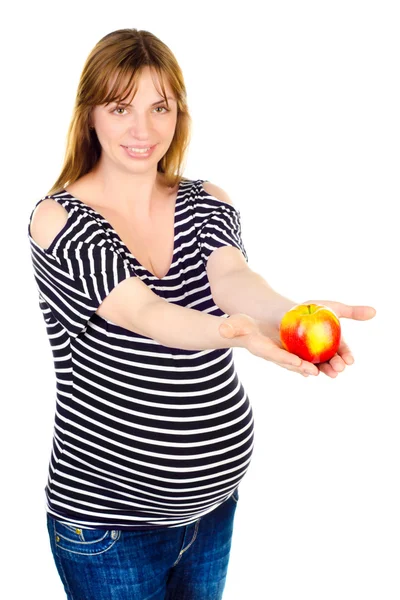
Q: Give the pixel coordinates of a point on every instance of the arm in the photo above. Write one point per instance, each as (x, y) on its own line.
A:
(180, 327)
(245, 291)
(236, 288)
(133, 305)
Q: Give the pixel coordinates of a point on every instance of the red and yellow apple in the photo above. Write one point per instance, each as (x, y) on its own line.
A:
(311, 331)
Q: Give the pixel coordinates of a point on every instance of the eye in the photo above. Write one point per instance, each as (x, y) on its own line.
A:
(156, 108)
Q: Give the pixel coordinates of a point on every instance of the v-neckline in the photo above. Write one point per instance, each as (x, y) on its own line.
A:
(109, 226)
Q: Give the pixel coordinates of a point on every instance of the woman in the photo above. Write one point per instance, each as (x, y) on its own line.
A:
(138, 269)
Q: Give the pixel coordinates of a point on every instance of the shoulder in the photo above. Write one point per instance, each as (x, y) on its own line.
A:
(217, 192)
(48, 218)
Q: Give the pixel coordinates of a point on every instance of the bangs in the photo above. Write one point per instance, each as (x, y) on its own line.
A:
(123, 85)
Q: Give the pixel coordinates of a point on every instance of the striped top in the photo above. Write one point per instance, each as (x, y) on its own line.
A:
(145, 435)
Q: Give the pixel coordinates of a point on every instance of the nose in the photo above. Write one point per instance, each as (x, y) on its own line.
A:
(139, 127)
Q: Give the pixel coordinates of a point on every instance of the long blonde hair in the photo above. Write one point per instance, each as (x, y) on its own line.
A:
(121, 55)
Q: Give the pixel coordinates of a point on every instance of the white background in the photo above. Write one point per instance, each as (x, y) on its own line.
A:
(295, 109)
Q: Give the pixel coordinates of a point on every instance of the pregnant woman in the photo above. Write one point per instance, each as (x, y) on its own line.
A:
(145, 288)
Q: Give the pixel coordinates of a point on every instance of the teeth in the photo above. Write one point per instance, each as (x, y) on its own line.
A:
(139, 150)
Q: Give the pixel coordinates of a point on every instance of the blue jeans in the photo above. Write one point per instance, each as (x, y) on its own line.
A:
(177, 563)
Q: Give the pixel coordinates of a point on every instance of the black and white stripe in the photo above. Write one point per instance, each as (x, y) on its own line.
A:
(145, 435)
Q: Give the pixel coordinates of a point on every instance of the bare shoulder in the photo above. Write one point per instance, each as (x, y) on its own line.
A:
(47, 220)
(217, 192)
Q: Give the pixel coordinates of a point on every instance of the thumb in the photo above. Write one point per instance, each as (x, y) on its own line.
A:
(227, 330)
(358, 313)
(231, 330)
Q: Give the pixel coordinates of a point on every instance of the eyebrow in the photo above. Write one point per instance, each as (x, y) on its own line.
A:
(154, 103)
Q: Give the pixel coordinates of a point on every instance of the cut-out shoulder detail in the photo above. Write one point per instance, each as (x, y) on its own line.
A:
(48, 219)
(217, 192)
(203, 194)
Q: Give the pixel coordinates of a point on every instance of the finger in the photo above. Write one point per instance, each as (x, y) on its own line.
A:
(361, 313)
(265, 348)
(326, 369)
(228, 330)
(292, 362)
(337, 363)
(293, 369)
(269, 350)
(301, 371)
(345, 353)
(358, 313)
(304, 371)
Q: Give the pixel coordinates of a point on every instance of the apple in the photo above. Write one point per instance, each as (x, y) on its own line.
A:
(311, 331)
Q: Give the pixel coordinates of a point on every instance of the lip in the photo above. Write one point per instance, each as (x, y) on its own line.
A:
(139, 156)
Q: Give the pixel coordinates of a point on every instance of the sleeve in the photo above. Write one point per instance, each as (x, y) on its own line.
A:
(77, 271)
(221, 226)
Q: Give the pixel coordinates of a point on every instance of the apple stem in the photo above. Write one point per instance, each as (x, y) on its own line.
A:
(309, 308)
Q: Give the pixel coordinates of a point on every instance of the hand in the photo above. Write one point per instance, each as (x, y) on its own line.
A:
(253, 338)
(262, 339)
(343, 357)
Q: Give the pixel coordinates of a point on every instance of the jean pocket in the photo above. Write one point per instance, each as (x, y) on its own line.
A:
(80, 540)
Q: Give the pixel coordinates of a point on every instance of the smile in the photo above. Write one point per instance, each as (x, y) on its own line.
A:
(139, 152)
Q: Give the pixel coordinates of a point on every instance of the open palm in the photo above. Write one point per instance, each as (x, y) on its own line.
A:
(344, 356)
(262, 339)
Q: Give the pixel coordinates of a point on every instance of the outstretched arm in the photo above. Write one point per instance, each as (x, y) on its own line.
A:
(236, 289)
(244, 291)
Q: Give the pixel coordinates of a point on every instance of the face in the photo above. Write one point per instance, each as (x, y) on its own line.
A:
(146, 121)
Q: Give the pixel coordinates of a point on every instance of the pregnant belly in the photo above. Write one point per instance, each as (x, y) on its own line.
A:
(138, 468)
